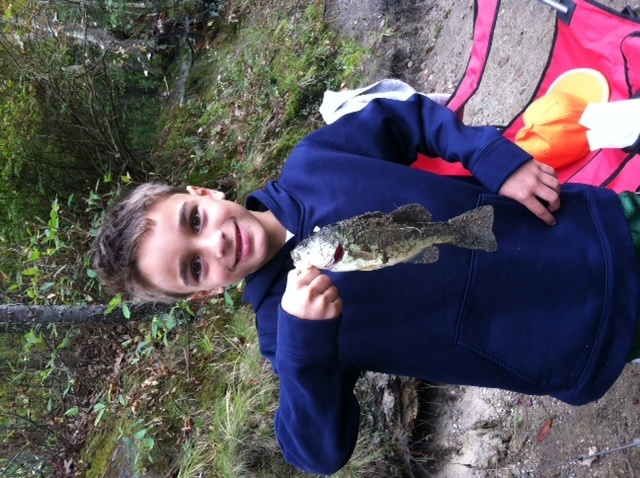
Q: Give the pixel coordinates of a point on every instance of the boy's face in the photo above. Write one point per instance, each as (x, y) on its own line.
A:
(200, 243)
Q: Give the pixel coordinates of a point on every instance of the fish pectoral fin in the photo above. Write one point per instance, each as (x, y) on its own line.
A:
(427, 256)
(411, 213)
(362, 256)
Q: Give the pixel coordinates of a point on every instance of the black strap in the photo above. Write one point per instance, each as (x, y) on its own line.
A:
(566, 17)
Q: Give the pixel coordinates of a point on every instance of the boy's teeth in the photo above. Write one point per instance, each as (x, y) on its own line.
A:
(238, 245)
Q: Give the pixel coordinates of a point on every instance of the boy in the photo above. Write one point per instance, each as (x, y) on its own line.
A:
(552, 311)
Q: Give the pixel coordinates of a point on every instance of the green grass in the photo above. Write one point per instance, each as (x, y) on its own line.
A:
(201, 392)
(208, 398)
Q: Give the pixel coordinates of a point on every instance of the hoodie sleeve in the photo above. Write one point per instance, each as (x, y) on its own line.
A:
(396, 130)
(317, 421)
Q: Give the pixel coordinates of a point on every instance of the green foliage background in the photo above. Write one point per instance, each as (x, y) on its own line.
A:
(221, 103)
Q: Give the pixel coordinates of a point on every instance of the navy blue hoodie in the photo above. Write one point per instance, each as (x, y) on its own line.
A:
(551, 312)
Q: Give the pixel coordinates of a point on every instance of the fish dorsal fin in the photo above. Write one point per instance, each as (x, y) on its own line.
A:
(415, 213)
(370, 215)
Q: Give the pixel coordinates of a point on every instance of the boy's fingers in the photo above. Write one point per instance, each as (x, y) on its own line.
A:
(303, 277)
(311, 295)
(545, 168)
(549, 178)
(321, 283)
(550, 190)
(535, 185)
(331, 294)
(313, 279)
(553, 202)
(540, 210)
(550, 194)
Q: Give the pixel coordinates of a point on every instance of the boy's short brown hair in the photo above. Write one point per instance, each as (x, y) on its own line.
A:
(116, 245)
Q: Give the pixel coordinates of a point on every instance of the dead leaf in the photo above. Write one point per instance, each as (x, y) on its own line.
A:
(590, 459)
(545, 430)
(188, 426)
(68, 466)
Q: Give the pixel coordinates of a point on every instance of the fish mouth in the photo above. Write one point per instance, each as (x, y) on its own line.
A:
(338, 254)
(331, 261)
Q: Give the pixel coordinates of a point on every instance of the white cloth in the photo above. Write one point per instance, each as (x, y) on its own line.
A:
(612, 125)
(336, 104)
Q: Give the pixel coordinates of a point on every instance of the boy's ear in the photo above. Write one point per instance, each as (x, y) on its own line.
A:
(208, 293)
(199, 191)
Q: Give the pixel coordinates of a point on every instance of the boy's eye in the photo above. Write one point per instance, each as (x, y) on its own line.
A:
(195, 220)
(196, 268)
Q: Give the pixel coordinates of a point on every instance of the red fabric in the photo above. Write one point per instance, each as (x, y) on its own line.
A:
(580, 44)
(583, 45)
(486, 13)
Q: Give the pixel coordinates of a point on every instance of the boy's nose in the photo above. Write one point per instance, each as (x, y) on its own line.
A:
(219, 243)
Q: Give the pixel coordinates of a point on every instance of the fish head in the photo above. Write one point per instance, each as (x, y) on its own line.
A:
(319, 251)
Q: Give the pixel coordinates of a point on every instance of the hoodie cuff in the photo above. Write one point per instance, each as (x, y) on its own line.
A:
(497, 162)
(308, 340)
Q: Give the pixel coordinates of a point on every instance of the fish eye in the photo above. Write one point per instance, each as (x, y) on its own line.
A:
(195, 221)
(196, 268)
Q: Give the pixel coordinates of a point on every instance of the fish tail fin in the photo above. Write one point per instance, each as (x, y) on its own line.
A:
(473, 229)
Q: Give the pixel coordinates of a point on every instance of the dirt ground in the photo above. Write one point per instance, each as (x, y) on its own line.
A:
(478, 432)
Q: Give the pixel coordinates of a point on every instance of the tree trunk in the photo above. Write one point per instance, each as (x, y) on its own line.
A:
(103, 5)
(80, 34)
(77, 314)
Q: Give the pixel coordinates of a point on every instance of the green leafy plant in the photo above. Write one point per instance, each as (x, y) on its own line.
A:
(46, 267)
(138, 439)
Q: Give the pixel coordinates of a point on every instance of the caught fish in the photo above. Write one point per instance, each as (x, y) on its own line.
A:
(375, 240)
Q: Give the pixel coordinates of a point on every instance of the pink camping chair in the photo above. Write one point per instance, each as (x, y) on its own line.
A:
(578, 43)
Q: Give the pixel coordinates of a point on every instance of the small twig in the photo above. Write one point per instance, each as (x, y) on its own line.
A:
(187, 352)
(579, 459)
(15, 457)
(297, 5)
(635, 443)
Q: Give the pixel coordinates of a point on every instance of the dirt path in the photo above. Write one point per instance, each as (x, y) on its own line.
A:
(477, 432)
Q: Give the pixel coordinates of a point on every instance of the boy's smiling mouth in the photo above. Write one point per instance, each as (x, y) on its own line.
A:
(239, 245)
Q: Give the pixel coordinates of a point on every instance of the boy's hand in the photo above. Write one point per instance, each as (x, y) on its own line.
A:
(311, 295)
(535, 185)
